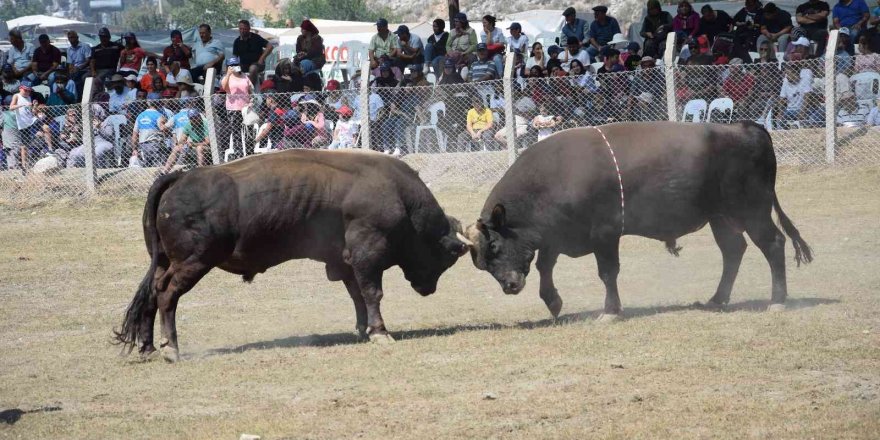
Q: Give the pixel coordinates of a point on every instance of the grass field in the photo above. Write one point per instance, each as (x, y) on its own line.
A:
(279, 358)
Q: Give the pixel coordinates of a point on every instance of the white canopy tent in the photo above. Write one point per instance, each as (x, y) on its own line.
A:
(40, 20)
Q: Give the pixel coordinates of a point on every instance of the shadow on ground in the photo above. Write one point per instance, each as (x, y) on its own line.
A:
(11, 416)
(630, 313)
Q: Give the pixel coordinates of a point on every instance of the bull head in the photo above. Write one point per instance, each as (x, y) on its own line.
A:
(499, 250)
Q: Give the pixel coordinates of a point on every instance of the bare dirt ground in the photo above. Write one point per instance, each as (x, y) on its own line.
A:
(279, 357)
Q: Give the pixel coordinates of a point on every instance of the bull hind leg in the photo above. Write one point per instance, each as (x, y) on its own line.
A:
(179, 279)
(147, 328)
(360, 306)
(607, 245)
(769, 239)
(733, 246)
(546, 261)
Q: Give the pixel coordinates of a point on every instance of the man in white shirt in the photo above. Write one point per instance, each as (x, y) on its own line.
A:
(795, 87)
(518, 40)
(573, 51)
(208, 53)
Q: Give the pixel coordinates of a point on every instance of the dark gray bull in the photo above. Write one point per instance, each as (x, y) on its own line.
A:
(563, 197)
(358, 212)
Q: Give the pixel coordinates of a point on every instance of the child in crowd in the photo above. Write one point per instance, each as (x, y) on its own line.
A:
(346, 131)
(545, 123)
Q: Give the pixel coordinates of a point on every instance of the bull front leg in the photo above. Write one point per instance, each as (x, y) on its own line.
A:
(545, 264)
(360, 306)
(367, 252)
(371, 290)
(607, 245)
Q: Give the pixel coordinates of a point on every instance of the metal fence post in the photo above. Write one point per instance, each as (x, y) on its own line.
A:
(88, 139)
(209, 114)
(364, 100)
(509, 117)
(830, 98)
(669, 72)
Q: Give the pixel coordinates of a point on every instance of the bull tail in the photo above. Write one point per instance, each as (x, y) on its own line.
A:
(802, 251)
(138, 310)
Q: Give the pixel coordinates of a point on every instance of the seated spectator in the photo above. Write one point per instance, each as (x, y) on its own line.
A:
(46, 59)
(775, 26)
(647, 91)
(494, 40)
(251, 50)
(374, 105)
(867, 60)
(766, 54)
(581, 78)
(812, 18)
(449, 75)
(345, 134)
(574, 27)
(518, 40)
(19, 56)
(602, 30)
(479, 127)
(611, 62)
(62, 91)
(131, 85)
(655, 26)
(10, 84)
(545, 122)
(411, 48)
(385, 78)
(574, 52)
(396, 72)
(70, 136)
(798, 51)
(194, 135)
(78, 56)
(554, 61)
(462, 41)
(118, 94)
(177, 52)
(105, 56)
(159, 91)
(102, 139)
(714, 23)
(435, 48)
(287, 80)
(686, 23)
(311, 133)
(796, 87)
(173, 73)
(536, 57)
(272, 115)
(45, 132)
(416, 79)
(748, 24)
(185, 87)
(208, 53)
(482, 68)
(631, 58)
(846, 98)
(853, 15)
(132, 56)
(738, 85)
(383, 42)
(147, 138)
(309, 55)
(152, 72)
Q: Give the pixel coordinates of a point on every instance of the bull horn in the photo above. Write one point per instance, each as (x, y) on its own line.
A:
(464, 239)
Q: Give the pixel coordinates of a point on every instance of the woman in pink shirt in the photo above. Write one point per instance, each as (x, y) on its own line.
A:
(686, 23)
(238, 90)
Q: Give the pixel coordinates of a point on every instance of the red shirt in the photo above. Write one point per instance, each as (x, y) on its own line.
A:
(738, 90)
(131, 59)
(172, 54)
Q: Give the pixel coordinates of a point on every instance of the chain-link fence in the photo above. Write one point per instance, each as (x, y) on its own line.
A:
(453, 133)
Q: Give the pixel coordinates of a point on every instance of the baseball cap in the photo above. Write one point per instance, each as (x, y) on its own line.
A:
(844, 31)
(344, 111)
(104, 32)
(116, 78)
(381, 22)
(803, 41)
(332, 85)
(482, 46)
(569, 11)
(449, 63)
(633, 46)
(402, 29)
(461, 16)
(385, 66)
(646, 59)
(233, 61)
(516, 26)
(192, 113)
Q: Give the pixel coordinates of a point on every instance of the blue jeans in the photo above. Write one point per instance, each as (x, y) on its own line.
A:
(499, 65)
(307, 66)
(435, 62)
(393, 131)
(593, 52)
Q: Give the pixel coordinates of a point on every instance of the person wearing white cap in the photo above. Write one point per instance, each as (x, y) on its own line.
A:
(800, 50)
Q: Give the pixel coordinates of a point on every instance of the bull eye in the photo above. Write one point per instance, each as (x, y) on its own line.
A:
(494, 248)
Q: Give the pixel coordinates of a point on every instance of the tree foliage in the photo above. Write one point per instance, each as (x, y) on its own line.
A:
(352, 10)
(10, 9)
(144, 17)
(220, 14)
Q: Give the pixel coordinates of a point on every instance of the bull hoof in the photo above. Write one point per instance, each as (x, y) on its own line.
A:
(170, 354)
(555, 307)
(362, 333)
(147, 354)
(776, 308)
(381, 338)
(608, 318)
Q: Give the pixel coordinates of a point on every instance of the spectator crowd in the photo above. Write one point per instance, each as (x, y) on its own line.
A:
(147, 111)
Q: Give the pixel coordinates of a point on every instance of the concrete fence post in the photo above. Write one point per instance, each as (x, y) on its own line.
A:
(88, 137)
(509, 117)
(364, 102)
(209, 115)
(669, 71)
(830, 98)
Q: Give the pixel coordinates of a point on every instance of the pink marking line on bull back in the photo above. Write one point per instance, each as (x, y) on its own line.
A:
(619, 178)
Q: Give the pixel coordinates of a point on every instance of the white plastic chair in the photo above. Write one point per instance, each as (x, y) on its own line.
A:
(42, 89)
(117, 121)
(257, 149)
(695, 109)
(434, 110)
(866, 86)
(357, 54)
(723, 105)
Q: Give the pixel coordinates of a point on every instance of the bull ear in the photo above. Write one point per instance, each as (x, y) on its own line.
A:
(499, 216)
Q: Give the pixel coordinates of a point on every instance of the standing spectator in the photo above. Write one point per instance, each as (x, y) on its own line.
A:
(655, 26)
(193, 135)
(383, 42)
(853, 15)
(517, 39)
(251, 49)
(309, 55)
(176, 52)
(45, 60)
(238, 89)
(536, 57)
(105, 56)
(435, 49)
(146, 137)
(574, 27)
(713, 23)
(686, 23)
(19, 55)
(602, 30)
(132, 56)
(152, 72)
(494, 40)
(462, 42)
(479, 126)
(748, 24)
(23, 106)
(812, 17)
(208, 53)
(574, 52)
(411, 48)
(78, 58)
(10, 84)
(775, 26)
(482, 68)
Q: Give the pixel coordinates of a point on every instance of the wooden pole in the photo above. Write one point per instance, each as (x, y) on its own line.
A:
(453, 9)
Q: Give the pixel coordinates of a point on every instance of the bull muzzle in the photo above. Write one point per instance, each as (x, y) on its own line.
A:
(512, 282)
